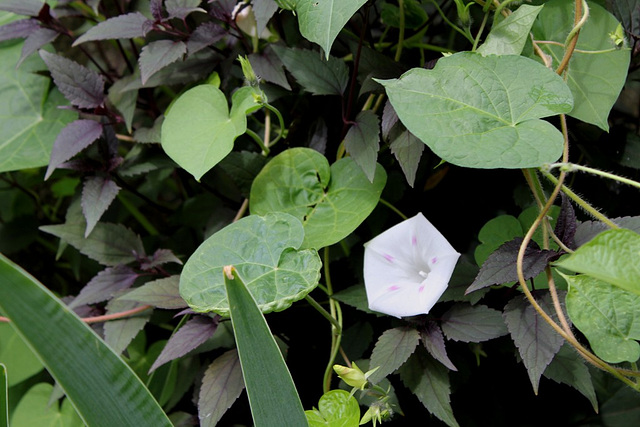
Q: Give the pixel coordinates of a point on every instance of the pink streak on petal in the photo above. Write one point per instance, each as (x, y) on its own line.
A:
(414, 240)
(393, 288)
(421, 288)
(388, 257)
(434, 260)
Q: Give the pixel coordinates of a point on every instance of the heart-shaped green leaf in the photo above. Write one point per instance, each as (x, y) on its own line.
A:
(483, 112)
(598, 70)
(336, 408)
(322, 20)
(331, 201)
(264, 251)
(198, 131)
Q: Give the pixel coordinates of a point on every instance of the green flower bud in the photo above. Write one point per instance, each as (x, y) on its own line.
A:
(248, 72)
(352, 376)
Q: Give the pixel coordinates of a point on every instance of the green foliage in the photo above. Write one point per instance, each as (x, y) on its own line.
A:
(181, 137)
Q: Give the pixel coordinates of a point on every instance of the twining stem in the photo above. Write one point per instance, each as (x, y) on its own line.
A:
(139, 216)
(393, 208)
(480, 30)
(336, 324)
(572, 38)
(315, 304)
(400, 31)
(572, 167)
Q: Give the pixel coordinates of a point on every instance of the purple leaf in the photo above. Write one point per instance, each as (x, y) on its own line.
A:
(536, 341)
(268, 66)
(22, 7)
(155, 6)
(119, 333)
(363, 142)
(18, 29)
(193, 333)
(157, 55)
(222, 9)
(120, 27)
(263, 11)
(35, 41)
(389, 119)
(221, 386)
(159, 257)
(566, 223)
(433, 341)
(182, 8)
(500, 266)
(392, 349)
(467, 323)
(408, 150)
(97, 195)
(72, 139)
(105, 284)
(161, 293)
(205, 35)
(83, 87)
(568, 367)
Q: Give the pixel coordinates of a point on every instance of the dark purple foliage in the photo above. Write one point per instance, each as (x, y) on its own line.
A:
(105, 284)
(18, 29)
(71, 140)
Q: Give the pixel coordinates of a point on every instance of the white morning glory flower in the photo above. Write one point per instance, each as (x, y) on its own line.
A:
(407, 268)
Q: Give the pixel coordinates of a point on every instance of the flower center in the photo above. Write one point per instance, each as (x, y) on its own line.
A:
(423, 274)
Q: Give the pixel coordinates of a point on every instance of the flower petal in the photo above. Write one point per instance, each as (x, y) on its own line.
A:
(407, 268)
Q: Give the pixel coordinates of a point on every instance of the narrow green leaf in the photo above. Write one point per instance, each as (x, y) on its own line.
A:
(483, 111)
(392, 349)
(611, 256)
(607, 316)
(4, 397)
(322, 20)
(272, 394)
(103, 388)
(598, 70)
(509, 36)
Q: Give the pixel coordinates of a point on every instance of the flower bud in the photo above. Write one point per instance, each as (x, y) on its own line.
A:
(352, 376)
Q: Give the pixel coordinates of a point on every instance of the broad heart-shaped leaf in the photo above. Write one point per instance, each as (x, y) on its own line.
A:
(29, 118)
(483, 111)
(391, 351)
(611, 256)
(158, 54)
(91, 374)
(198, 131)
(120, 27)
(607, 316)
(595, 79)
(429, 381)
(331, 201)
(536, 341)
(17, 357)
(36, 408)
(336, 408)
(509, 36)
(363, 142)
(272, 394)
(322, 20)
(221, 386)
(312, 72)
(264, 250)
(83, 87)
(468, 323)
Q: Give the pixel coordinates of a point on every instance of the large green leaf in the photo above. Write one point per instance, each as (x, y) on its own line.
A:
(30, 118)
(17, 356)
(331, 201)
(597, 70)
(611, 256)
(321, 20)
(509, 36)
(264, 250)
(272, 394)
(35, 409)
(483, 112)
(607, 316)
(336, 408)
(103, 388)
(199, 130)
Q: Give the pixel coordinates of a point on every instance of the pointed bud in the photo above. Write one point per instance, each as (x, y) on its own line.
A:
(352, 376)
